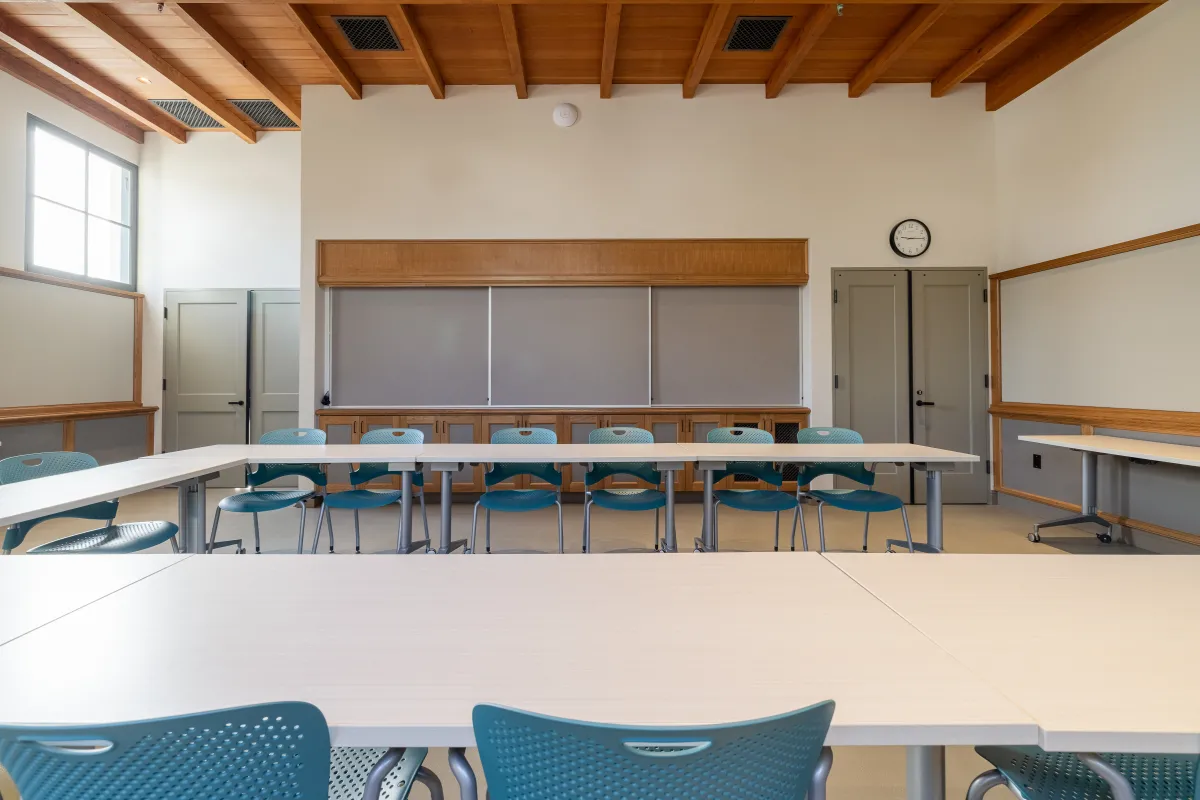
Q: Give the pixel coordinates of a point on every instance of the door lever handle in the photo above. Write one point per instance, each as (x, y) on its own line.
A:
(925, 403)
(237, 402)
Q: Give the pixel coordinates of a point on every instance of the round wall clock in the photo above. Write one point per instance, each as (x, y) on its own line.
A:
(910, 238)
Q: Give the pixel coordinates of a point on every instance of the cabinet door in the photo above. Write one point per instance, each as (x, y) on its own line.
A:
(784, 428)
(430, 427)
(628, 421)
(547, 422)
(498, 422)
(462, 429)
(743, 419)
(696, 428)
(375, 423)
(576, 428)
(339, 430)
(668, 429)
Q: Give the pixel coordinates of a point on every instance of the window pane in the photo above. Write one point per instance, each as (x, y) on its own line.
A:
(108, 250)
(57, 237)
(108, 189)
(58, 169)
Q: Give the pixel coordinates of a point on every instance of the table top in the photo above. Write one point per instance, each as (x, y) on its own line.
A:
(811, 453)
(659, 452)
(397, 651)
(42, 496)
(1101, 650)
(305, 453)
(37, 590)
(1164, 452)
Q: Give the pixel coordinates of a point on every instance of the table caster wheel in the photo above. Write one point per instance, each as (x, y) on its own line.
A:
(1104, 538)
(242, 552)
(1035, 537)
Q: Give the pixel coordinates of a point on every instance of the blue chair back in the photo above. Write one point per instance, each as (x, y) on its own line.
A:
(16, 469)
(1052, 776)
(369, 472)
(269, 472)
(762, 470)
(855, 472)
(274, 751)
(531, 757)
(502, 472)
(622, 434)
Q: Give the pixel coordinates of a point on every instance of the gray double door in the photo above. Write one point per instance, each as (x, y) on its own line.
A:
(231, 365)
(910, 363)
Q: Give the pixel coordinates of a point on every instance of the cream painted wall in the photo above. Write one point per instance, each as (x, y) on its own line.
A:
(813, 163)
(17, 101)
(1106, 150)
(216, 213)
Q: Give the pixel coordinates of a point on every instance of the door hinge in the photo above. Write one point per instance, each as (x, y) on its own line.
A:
(164, 312)
(835, 381)
(164, 384)
(835, 295)
(988, 466)
(987, 382)
(985, 295)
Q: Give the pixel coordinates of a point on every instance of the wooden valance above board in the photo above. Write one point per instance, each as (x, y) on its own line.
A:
(566, 262)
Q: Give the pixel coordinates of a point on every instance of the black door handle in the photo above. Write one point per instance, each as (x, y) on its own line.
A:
(925, 403)
(237, 402)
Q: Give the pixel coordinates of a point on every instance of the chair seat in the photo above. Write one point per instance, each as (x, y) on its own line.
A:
(629, 499)
(128, 537)
(350, 766)
(518, 499)
(866, 500)
(1049, 776)
(255, 502)
(756, 499)
(361, 498)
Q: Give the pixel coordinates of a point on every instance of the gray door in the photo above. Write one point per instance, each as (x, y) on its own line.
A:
(949, 369)
(274, 361)
(870, 364)
(204, 361)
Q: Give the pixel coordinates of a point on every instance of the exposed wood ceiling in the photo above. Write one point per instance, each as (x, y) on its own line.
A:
(111, 59)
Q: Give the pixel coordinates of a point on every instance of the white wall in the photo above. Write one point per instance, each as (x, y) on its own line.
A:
(215, 213)
(1106, 150)
(17, 101)
(813, 163)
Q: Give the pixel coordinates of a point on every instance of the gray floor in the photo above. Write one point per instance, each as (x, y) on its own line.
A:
(874, 772)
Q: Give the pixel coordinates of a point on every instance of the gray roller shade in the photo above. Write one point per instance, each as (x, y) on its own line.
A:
(726, 345)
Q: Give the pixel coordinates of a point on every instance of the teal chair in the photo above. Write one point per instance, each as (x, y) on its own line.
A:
(867, 501)
(518, 499)
(356, 498)
(621, 499)
(531, 757)
(128, 537)
(260, 501)
(268, 752)
(1033, 774)
(759, 500)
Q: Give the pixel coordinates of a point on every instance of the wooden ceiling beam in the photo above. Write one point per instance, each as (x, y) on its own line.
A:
(512, 41)
(905, 37)
(311, 30)
(141, 52)
(816, 23)
(608, 57)
(1092, 30)
(26, 72)
(717, 14)
(34, 46)
(198, 19)
(1016, 27)
(415, 41)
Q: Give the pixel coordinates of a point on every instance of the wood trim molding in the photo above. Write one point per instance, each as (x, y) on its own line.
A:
(1037, 498)
(1115, 519)
(717, 14)
(575, 262)
(348, 411)
(816, 23)
(1166, 237)
(68, 435)
(41, 277)
(34, 414)
(1180, 423)
(608, 57)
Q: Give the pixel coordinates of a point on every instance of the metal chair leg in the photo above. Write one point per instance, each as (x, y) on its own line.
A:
(357, 538)
(329, 520)
(320, 524)
(587, 525)
(560, 527)
(487, 529)
(257, 538)
(375, 778)
(821, 524)
(984, 783)
(820, 777)
(468, 787)
(1117, 783)
(803, 529)
(866, 527)
(656, 530)
(795, 518)
(776, 531)
(424, 521)
(303, 515)
(907, 530)
(716, 526)
(474, 524)
(432, 782)
(212, 538)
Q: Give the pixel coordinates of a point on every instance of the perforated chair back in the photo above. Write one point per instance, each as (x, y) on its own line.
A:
(502, 472)
(269, 472)
(762, 470)
(1053, 776)
(854, 471)
(16, 469)
(532, 757)
(275, 750)
(369, 472)
(622, 434)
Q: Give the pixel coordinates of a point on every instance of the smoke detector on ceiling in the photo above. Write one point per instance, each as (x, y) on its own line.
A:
(565, 115)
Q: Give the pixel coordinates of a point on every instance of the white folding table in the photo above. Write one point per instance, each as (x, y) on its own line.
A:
(714, 457)
(396, 651)
(1091, 447)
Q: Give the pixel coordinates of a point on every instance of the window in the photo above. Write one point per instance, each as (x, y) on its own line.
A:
(80, 209)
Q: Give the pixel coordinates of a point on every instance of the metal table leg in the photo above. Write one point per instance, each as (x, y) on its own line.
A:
(933, 508)
(1087, 505)
(468, 787)
(669, 544)
(192, 512)
(707, 541)
(446, 544)
(926, 772)
(404, 543)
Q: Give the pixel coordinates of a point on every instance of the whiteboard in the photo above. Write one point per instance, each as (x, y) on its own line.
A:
(1117, 332)
(63, 345)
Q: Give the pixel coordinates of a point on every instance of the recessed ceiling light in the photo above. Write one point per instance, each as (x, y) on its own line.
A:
(143, 79)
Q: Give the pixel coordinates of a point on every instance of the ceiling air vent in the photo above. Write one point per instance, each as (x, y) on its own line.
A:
(188, 113)
(757, 34)
(368, 33)
(264, 113)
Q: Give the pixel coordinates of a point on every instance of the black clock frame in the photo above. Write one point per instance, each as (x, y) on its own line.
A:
(896, 227)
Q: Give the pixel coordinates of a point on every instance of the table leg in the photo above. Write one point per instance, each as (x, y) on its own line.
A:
(192, 511)
(404, 541)
(669, 543)
(468, 787)
(1087, 505)
(706, 527)
(446, 543)
(933, 508)
(926, 772)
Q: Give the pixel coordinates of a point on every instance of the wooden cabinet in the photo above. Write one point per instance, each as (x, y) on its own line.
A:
(695, 429)
(784, 428)
(460, 429)
(576, 428)
(744, 419)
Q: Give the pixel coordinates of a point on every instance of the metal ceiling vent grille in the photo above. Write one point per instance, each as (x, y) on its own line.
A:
(264, 113)
(757, 34)
(369, 33)
(188, 113)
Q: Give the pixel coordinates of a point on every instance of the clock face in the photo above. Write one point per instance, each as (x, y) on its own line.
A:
(910, 238)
